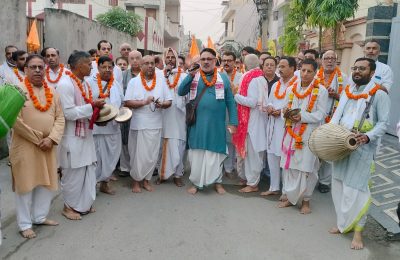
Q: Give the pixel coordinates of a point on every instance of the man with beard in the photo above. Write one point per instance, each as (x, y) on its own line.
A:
(135, 59)
(16, 75)
(174, 124)
(229, 68)
(38, 128)
(55, 70)
(107, 139)
(332, 78)
(77, 151)
(383, 73)
(147, 95)
(9, 64)
(364, 101)
(207, 138)
(299, 164)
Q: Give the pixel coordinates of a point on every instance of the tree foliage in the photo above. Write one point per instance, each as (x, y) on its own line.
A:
(122, 20)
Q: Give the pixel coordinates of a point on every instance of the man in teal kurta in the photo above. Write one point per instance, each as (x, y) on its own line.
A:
(350, 192)
(207, 136)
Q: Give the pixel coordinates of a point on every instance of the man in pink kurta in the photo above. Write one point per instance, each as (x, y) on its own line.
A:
(38, 129)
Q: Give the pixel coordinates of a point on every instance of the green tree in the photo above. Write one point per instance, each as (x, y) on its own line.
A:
(121, 20)
(330, 13)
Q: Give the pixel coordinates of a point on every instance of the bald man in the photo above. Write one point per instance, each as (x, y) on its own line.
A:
(125, 49)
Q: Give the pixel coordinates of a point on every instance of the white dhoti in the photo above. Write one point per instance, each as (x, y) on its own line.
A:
(275, 171)
(351, 206)
(325, 173)
(252, 164)
(172, 158)
(124, 159)
(108, 149)
(144, 147)
(78, 186)
(299, 185)
(230, 161)
(206, 167)
(32, 207)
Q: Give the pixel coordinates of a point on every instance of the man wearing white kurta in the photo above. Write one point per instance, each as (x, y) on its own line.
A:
(54, 70)
(8, 64)
(234, 76)
(299, 164)
(252, 156)
(383, 73)
(77, 149)
(107, 138)
(350, 191)
(147, 95)
(275, 102)
(174, 124)
(331, 77)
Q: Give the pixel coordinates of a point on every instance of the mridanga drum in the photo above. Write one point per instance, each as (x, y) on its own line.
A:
(332, 142)
(12, 99)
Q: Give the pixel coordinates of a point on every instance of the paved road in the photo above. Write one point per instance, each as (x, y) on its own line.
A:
(170, 224)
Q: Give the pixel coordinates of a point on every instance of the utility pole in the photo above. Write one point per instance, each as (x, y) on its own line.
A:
(262, 10)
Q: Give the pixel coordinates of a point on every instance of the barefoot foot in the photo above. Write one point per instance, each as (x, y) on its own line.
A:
(249, 189)
(334, 231)
(284, 204)
(48, 222)
(113, 178)
(219, 189)
(283, 197)
(105, 188)
(136, 187)
(178, 182)
(147, 186)
(28, 233)
(305, 207)
(269, 193)
(70, 214)
(192, 190)
(357, 243)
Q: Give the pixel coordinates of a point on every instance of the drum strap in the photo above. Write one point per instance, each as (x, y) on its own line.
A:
(2, 122)
(365, 113)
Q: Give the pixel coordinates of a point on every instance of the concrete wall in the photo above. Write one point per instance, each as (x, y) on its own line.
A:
(13, 25)
(68, 31)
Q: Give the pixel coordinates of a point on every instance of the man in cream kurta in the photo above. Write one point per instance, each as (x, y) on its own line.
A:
(107, 138)
(350, 191)
(332, 78)
(234, 76)
(77, 149)
(33, 151)
(174, 124)
(255, 144)
(299, 164)
(147, 95)
(275, 102)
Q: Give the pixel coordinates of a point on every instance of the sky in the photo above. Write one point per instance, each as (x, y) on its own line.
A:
(202, 18)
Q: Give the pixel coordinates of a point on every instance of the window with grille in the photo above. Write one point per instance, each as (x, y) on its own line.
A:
(113, 2)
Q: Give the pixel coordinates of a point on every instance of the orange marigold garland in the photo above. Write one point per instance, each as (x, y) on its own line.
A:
(176, 80)
(35, 100)
(153, 84)
(58, 76)
(278, 87)
(233, 74)
(15, 69)
(362, 95)
(213, 80)
(78, 82)
(100, 86)
(321, 76)
(314, 90)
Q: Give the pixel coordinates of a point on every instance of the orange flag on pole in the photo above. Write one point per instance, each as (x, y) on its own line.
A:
(210, 43)
(259, 45)
(194, 49)
(32, 41)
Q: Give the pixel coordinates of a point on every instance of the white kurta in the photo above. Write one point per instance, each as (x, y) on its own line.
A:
(174, 133)
(107, 138)
(146, 127)
(53, 76)
(10, 77)
(77, 154)
(383, 75)
(117, 72)
(256, 130)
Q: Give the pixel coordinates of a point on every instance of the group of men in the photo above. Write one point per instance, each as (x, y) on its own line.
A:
(228, 119)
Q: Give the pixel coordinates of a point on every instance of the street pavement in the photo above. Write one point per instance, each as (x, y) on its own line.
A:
(171, 224)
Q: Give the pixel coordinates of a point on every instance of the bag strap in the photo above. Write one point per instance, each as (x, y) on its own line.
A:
(197, 101)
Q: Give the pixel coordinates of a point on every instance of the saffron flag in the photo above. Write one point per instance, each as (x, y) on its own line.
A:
(32, 41)
(210, 43)
(259, 45)
(194, 49)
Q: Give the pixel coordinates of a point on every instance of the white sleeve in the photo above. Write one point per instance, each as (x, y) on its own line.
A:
(387, 78)
(252, 96)
(116, 96)
(132, 93)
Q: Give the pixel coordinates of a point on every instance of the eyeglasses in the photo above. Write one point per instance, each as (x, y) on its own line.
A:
(360, 68)
(206, 59)
(330, 58)
(226, 61)
(36, 67)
